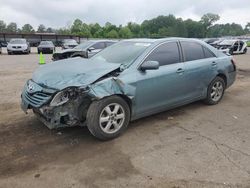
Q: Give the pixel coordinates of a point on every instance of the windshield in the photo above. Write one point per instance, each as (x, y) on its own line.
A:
(84, 45)
(227, 42)
(69, 41)
(124, 52)
(46, 43)
(17, 41)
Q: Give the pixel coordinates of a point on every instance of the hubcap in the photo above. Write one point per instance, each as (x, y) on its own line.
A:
(112, 118)
(217, 91)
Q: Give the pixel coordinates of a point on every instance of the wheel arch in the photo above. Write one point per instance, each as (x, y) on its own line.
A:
(224, 77)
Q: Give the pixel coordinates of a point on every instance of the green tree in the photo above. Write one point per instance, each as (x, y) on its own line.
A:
(112, 34)
(208, 20)
(194, 29)
(50, 30)
(247, 27)
(41, 28)
(76, 28)
(2, 26)
(135, 29)
(125, 32)
(11, 27)
(95, 28)
(27, 28)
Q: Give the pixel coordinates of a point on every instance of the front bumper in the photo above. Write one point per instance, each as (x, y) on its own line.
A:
(45, 50)
(67, 115)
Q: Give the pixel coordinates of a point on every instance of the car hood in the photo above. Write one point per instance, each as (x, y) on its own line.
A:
(45, 46)
(23, 45)
(68, 50)
(72, 72)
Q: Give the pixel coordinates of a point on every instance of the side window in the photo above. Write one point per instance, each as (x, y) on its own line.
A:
(208, 53)
(165, 54)
(109, 43)
(192, 51)
(99, 45)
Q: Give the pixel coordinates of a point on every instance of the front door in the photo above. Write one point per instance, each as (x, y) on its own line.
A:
(164, 87)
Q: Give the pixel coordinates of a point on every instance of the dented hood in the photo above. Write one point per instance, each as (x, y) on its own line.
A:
(72, 72)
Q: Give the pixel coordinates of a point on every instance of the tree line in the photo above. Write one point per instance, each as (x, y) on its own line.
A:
(161, 26)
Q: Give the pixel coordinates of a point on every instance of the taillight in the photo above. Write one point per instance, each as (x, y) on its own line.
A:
(234, 64)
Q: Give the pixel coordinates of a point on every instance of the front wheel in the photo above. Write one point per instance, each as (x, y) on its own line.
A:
(215, 91)
(108, 118)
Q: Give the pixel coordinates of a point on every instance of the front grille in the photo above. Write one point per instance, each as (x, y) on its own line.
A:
(38, 96)
(17, 47)
(37, 99)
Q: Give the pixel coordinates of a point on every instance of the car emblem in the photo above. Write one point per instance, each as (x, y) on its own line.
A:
(30, 88)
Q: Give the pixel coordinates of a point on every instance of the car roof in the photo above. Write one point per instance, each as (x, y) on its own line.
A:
(161, 40)
(100, 40)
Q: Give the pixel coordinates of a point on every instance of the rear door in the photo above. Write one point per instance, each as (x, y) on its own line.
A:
(201, 68)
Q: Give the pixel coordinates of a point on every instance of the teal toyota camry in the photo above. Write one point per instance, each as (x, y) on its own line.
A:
(127, 81)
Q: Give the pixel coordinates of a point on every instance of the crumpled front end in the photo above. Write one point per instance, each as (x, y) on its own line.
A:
(68, 107)
(53, 115)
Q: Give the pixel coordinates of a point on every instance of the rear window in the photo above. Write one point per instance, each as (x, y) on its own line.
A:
(208, 53)
(192, 51)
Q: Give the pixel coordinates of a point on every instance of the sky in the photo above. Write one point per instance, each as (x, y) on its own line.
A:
(61, 13)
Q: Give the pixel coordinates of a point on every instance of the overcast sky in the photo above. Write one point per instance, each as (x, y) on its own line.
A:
(60, 13)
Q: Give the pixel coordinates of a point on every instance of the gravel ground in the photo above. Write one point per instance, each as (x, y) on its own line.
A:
(192, 146)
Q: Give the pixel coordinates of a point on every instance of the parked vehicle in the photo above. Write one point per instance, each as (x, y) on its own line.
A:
(69, 43)
(46, 47)
(127, 81)
(86, 49)
(3, 44)
(18, 46)
(233, 47)
(211, 40)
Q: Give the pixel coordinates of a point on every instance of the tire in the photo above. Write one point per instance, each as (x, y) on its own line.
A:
(9, 53)
(215, 91)
(112, 125)
(38, 51)
(245, 51)
(231, 52)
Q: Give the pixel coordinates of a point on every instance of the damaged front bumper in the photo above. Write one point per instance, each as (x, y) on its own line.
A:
(38, 99)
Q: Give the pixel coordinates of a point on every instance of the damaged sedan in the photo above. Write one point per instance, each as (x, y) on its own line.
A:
(85, 50)
(127, 81)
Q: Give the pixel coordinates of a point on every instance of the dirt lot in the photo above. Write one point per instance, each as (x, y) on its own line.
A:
(192, 146)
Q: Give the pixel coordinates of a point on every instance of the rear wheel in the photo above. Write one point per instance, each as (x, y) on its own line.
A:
(108, 117)
(245, 51)
(215, 91)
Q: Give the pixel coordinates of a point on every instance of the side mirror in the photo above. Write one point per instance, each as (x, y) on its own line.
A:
(149, 65)
(90, 49)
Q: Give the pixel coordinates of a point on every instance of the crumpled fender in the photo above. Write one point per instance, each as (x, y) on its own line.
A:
(111, 86)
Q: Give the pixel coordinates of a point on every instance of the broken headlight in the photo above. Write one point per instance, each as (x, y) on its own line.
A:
(63, 96)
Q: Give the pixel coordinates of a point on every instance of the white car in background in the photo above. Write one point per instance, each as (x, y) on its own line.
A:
(18, 46)
(232, 46)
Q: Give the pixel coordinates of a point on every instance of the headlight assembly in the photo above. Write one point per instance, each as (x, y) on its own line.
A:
(60, 98)
(64, 96)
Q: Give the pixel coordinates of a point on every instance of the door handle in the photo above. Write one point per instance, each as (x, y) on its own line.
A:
(179, 71)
